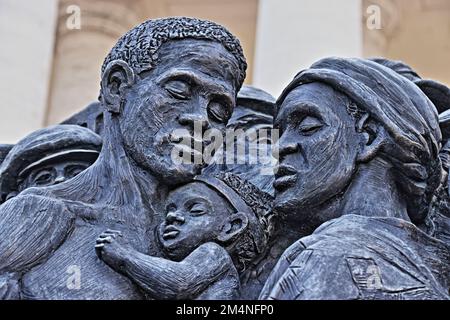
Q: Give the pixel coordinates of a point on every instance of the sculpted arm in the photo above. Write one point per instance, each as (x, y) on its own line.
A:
(166, 279)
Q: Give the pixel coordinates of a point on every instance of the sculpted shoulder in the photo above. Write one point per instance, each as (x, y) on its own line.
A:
(23, 220)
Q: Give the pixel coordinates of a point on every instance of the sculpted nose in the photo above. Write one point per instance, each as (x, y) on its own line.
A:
(59, 179)
(284, 148)
(174, 216)
(194, 121)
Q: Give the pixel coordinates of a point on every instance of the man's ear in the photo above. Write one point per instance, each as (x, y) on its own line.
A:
(117, 76)
(233, 227)
(373, 138)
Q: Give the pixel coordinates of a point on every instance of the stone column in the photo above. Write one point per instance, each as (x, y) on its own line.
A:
(292, 34)
(80, 50)
(27, 32)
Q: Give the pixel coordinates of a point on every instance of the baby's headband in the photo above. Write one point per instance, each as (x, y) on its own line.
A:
(227, 192)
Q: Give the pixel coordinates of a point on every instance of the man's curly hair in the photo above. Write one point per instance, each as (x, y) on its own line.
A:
(139, 46)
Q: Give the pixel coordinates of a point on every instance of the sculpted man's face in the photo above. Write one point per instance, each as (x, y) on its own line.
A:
(51, 174)
(195, 214)
(318, 147)
(193, 81)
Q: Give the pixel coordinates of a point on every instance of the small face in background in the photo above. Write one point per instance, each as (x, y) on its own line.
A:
(256, 133)
(195, 214)
(51, 174)
(253, 114)
(247, 150)
(246, 118)
(318, 148)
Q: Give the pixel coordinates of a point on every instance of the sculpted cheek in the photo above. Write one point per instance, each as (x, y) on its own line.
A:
(160, 110)
(329, 157)
(322, 148)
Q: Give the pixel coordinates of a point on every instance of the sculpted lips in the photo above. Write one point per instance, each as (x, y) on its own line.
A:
(170, 232)
(285, 177)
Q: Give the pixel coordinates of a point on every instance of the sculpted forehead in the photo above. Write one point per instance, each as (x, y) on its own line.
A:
(317, 93)
(207, 57)
(193, 190)
(315, 98)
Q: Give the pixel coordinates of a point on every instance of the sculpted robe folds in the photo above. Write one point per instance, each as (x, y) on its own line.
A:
(48, 232)
(357, 257)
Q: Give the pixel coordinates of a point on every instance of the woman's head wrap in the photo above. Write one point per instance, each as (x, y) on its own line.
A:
(408, 116)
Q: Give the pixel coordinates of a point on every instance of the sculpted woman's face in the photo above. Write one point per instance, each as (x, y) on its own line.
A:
(318, 148)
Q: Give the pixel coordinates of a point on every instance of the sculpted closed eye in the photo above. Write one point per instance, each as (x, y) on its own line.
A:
(198, 209)
(43, 177)
(218, 112)
(74, 171)
(309, 125)
(178, 89)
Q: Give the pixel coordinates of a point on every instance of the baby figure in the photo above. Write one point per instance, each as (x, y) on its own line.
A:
(214, 228)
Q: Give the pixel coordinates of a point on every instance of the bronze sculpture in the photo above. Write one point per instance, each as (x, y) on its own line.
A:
(47, 157)
(213, 230)
(361, 208)
(373, 192)
(162, 75)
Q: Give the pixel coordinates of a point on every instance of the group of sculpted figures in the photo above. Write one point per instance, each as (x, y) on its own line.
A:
(357, 205)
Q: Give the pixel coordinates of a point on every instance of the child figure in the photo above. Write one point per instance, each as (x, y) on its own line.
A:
(214, 228)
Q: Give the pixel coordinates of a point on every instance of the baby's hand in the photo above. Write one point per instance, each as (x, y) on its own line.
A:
(108, 247)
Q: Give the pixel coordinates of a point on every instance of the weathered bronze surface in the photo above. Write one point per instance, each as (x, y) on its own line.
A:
(180, 183)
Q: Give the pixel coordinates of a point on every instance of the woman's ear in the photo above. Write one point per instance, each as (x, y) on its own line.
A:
(233, 227)
(373, 137)
(117, 76)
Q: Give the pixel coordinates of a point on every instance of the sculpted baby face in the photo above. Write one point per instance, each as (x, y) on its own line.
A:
(195, 214)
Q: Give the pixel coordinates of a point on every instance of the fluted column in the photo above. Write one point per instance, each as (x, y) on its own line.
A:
(80, 51)
(27, 32)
